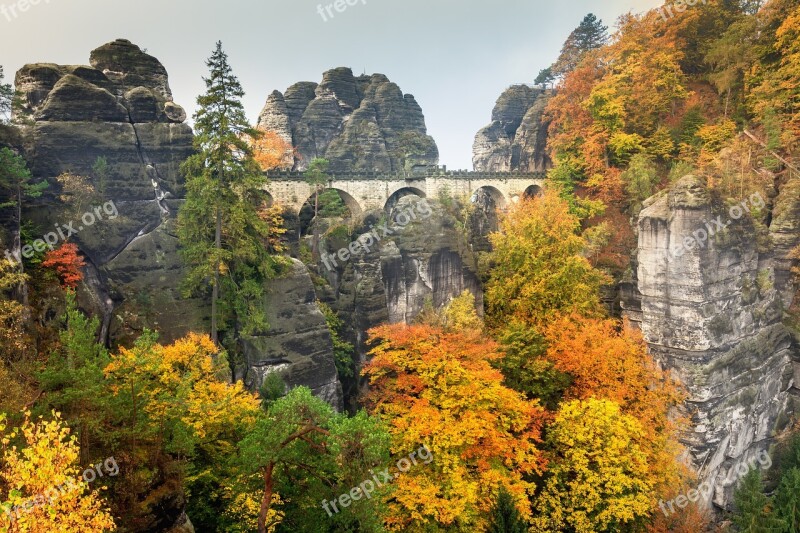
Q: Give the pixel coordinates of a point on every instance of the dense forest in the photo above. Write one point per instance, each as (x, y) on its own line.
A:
(539, 408)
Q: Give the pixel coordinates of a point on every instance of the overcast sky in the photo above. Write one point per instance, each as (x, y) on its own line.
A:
(455, 56)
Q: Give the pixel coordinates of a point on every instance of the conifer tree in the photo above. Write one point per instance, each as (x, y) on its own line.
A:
(754, 513)
(589, 35)
(505, 516)
(223, 238)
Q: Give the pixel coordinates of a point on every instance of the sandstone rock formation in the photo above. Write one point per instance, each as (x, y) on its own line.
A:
(120, 108)
(712, 313)
(298, 345)
(517, 137)
(357, 123)
(427, 262)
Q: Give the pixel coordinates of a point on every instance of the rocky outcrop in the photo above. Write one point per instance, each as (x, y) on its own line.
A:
(710, 312)
(120, 108)
(357, 123)
(517, 137)
(427, 261)
(298, 345)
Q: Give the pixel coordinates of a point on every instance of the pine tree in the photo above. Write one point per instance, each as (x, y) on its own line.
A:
(754, 513)
(6, 98)
(15, 184)
(787, 500)
(223, 238)
(589, 35)
(505, 516)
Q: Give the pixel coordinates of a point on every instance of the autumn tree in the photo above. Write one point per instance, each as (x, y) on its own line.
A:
(597, 479)
(608, 361)
(179, 414)
(42, 487)
(539, 271)
(223, 240)
(67, 264)
(271, 151)
(438, 388)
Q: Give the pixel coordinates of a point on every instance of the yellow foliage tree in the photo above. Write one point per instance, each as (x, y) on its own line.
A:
(44, 491)
(539, 270)
(437, 388)
(598, 479)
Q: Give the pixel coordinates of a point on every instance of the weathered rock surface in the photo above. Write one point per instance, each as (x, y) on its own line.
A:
(427, 260)
(357, 123)
(298, 345)
(517, 136)
(712, 314)
(119, 108)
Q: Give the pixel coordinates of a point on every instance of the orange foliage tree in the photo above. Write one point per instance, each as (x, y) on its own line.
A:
(271, 151)
(67, 264)
(610, 362)
(437, 388)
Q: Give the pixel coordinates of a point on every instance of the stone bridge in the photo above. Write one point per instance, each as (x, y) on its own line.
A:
(364, 191)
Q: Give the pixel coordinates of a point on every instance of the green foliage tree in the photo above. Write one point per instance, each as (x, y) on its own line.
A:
(73, 379)
(754, 511)
(505, 516)
(6, 98)
(223, 239)
(100, 172)
(343, 351)
(640, 179)
(307, 453)
(16, 184)
(787, 500)
(545, 77)
(589, 35)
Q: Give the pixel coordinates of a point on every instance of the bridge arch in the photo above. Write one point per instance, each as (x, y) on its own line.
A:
(349, 201)
(494, 193)
(400, 193)
(533, 191)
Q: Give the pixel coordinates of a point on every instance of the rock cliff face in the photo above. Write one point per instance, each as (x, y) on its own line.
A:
(298, 346)
(517, 137)
(426, 262)
(711, 311)
(120, 108)
(357, 123)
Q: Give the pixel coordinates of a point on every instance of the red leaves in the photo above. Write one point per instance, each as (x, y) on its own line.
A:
(67, 264)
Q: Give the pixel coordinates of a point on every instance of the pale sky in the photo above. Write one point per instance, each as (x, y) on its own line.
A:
(455, 57)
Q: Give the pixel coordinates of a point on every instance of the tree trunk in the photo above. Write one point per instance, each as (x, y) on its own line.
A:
(315, 239)
(266, 501)
(215, 289)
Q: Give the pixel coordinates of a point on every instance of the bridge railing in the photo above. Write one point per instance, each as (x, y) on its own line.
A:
(432, 172)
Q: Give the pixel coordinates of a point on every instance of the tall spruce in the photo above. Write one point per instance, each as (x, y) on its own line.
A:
(223, 239)
(589, 35)
(6, 98)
